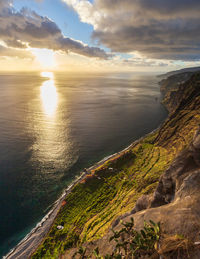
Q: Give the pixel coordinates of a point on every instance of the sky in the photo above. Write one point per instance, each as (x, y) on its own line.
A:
(99, 35)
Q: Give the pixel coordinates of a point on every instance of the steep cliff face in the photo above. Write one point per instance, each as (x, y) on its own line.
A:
(176, 200)
(175, 204)
(183, 119)
(157, 178)
(180, 71)
(172, 88)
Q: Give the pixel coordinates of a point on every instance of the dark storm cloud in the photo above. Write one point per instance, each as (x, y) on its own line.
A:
(166, 29)
(27, 28)
(173, 40)
(167, 7)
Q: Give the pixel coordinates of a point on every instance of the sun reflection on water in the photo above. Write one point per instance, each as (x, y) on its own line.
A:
(47, 147)
(52, 151)
(48, 94)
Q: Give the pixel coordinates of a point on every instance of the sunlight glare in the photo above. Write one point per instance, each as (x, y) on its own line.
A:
(45, 57)
(47, 74)
(49, 94)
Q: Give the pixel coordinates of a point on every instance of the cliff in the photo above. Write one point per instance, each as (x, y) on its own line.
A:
(157, 179)
(180, 71)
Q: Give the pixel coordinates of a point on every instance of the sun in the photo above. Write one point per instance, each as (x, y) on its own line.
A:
(45, 57)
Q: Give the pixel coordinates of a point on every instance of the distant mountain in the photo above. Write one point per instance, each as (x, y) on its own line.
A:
(175, 72)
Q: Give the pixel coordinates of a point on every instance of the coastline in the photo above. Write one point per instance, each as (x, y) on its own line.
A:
(32, 240)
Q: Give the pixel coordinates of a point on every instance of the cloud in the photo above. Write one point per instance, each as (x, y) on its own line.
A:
(155, 28)
(28, 29)
(5, 4)
(18, 53)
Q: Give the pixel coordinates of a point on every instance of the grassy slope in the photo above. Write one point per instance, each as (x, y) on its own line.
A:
(96, 202)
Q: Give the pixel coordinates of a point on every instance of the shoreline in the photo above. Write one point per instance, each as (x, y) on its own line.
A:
(34, 238)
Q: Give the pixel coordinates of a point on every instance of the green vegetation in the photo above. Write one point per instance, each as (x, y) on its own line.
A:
(107, 193)
(148, 242)
(130, 243)
(95, 203)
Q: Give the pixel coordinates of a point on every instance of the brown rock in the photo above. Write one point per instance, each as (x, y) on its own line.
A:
(175, 203)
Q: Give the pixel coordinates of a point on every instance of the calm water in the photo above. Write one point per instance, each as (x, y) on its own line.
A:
(54, 125)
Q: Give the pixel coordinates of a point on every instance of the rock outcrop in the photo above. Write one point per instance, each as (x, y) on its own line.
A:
(176, 200)
(157, 180)
(175, 203)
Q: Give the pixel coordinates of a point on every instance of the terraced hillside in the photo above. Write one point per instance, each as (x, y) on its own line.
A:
(113, 188)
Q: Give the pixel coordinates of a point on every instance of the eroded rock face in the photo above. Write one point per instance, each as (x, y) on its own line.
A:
(172, 180)
(196, 140)
(178, 191)
(175, 203)
(176, 200)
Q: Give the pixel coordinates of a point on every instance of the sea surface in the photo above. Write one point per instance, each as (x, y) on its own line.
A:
(52, 125)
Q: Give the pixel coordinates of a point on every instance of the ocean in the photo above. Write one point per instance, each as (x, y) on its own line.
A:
(53, 125)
